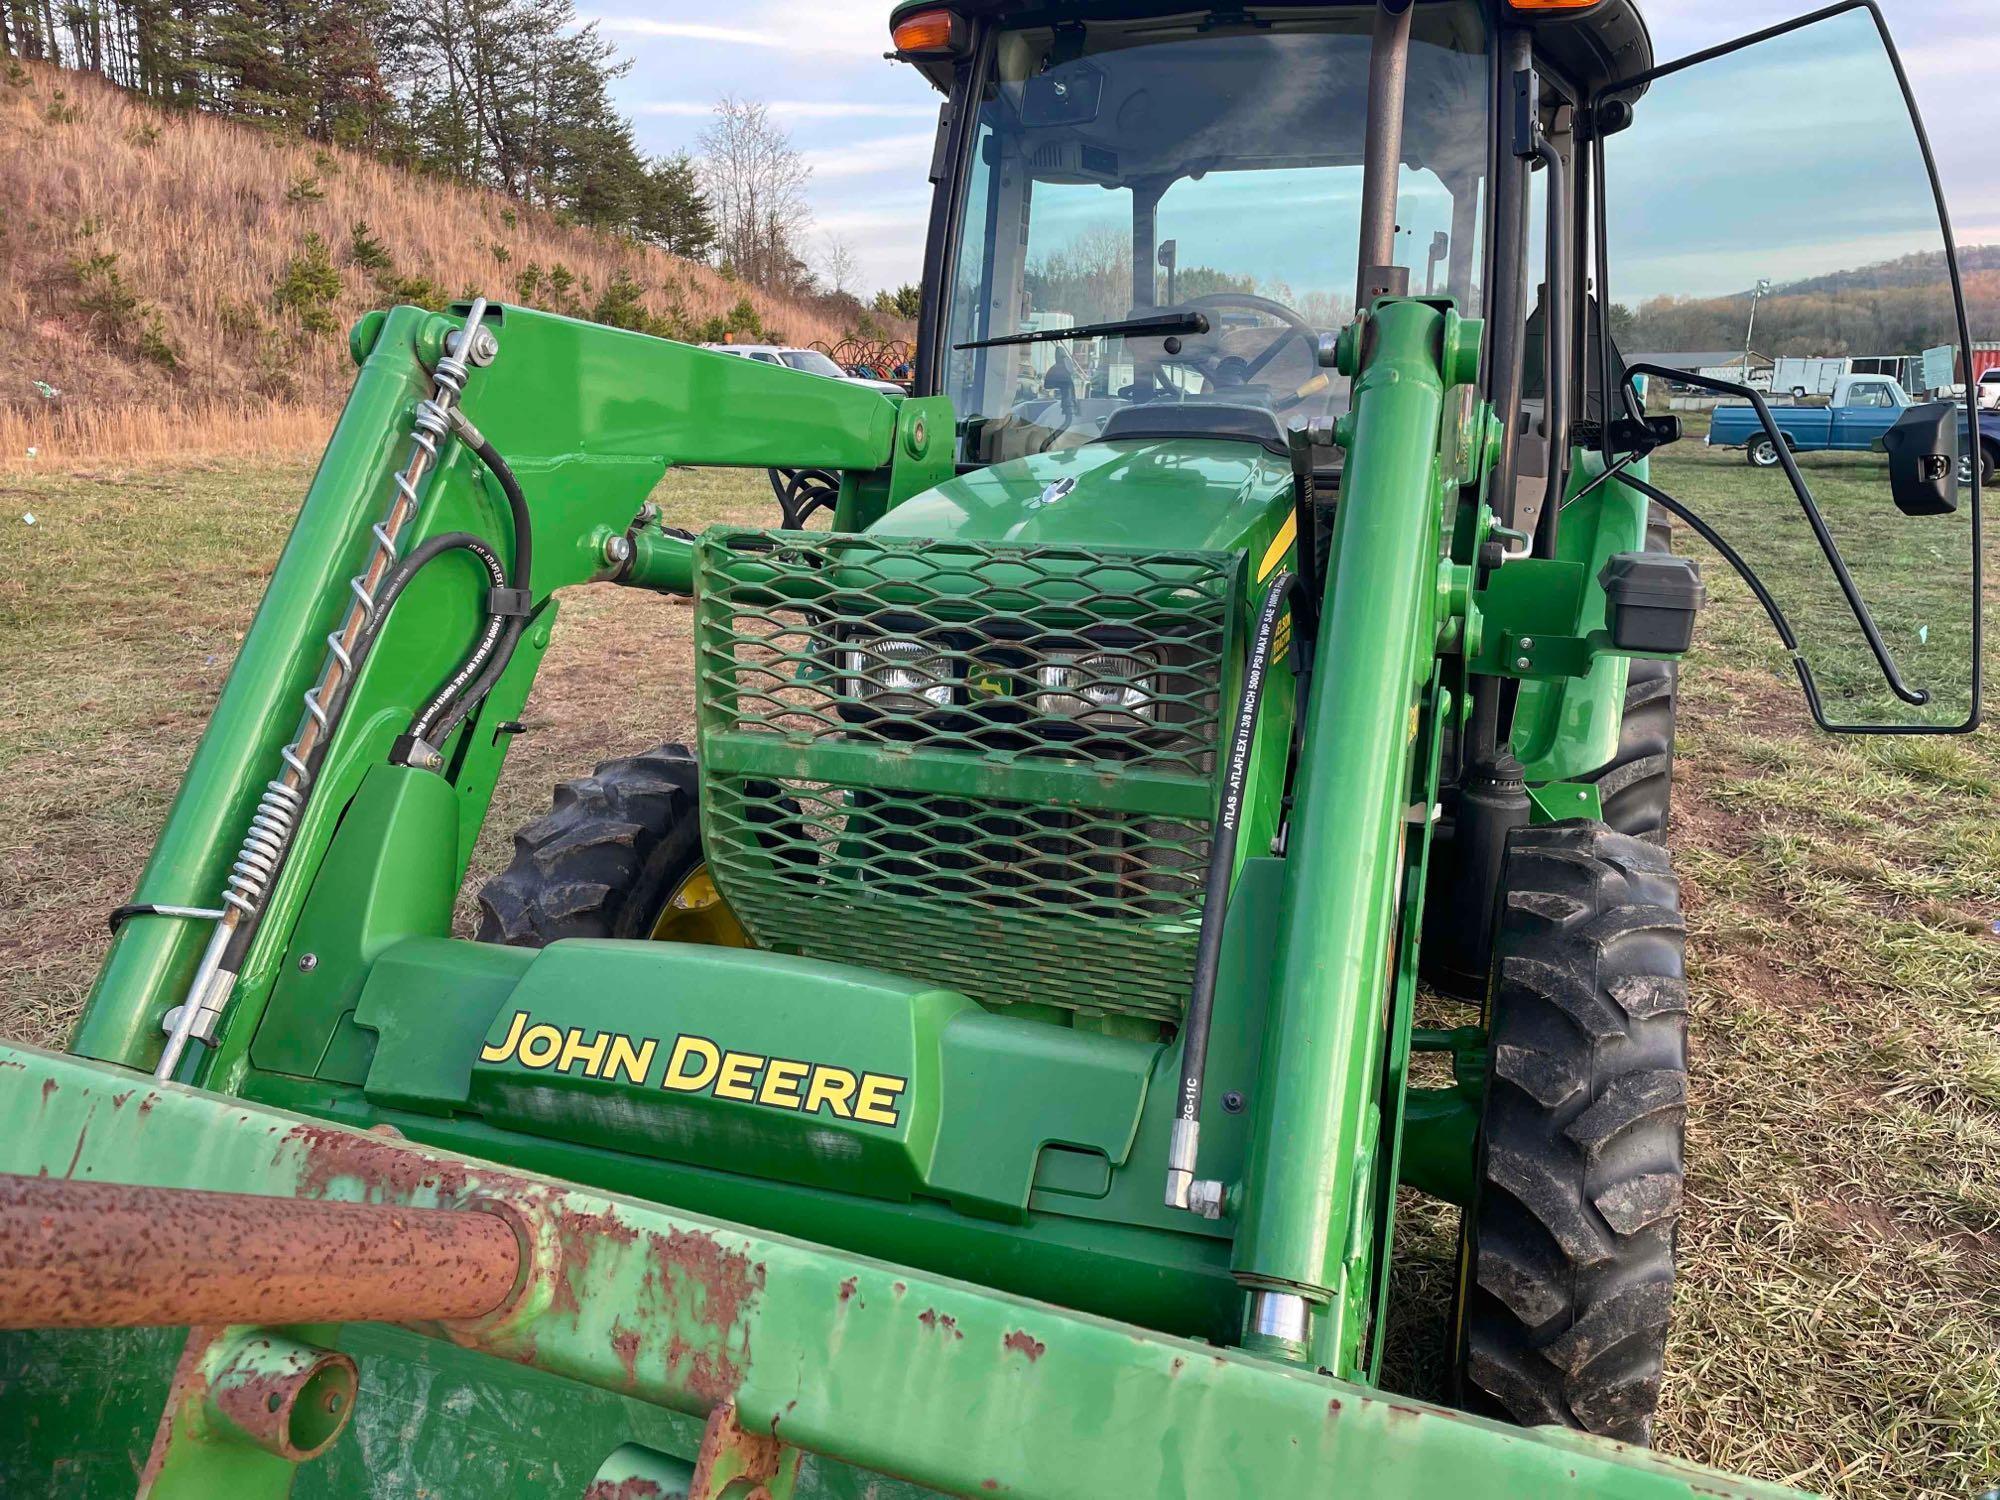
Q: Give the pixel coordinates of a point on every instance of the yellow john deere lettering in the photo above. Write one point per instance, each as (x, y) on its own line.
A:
(696, 1065)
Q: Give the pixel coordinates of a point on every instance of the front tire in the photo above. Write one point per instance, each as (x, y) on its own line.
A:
(1636, 786)
(619, 856)
(1567, 1254)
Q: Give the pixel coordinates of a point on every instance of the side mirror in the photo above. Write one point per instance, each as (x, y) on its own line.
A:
(1923, 459)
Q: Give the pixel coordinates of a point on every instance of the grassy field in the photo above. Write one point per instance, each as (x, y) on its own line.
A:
(1839, 1316)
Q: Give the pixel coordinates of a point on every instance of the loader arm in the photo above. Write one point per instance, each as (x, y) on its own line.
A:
(588, 418)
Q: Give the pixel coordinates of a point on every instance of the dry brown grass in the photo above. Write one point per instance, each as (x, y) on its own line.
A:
(203, 217)
(60, 438)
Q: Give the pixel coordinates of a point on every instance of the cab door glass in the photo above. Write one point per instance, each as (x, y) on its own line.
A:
(1771, 220)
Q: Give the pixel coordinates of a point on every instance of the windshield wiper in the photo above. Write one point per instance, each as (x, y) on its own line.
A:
(1158, 325)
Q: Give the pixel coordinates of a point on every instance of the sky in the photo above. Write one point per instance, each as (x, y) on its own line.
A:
(865, 125)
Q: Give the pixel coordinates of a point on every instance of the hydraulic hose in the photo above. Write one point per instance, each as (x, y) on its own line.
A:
(1184, 1148)
(468, 686)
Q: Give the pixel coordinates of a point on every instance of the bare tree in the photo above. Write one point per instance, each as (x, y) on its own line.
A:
(839, 266)
(755, 181)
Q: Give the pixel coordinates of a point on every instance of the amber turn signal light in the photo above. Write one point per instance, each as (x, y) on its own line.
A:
(926, 31)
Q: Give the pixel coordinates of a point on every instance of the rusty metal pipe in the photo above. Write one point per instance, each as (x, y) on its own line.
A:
(103, 1255)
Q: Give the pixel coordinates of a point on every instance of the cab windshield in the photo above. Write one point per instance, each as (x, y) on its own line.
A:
(1202, 164)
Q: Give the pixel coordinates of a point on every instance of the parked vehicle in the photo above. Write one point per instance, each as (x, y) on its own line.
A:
(1863, 409)
(1989, 390)
(1813, 375)
(810, 360)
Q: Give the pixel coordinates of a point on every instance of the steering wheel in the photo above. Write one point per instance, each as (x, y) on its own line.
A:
(1241, 371)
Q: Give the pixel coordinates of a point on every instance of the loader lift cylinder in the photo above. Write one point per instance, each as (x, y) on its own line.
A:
(1306, 1207)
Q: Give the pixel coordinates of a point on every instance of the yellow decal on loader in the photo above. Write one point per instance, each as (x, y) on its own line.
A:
(696, 1065)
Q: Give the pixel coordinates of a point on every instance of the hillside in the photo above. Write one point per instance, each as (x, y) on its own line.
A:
(1894, 307)
(185, 283)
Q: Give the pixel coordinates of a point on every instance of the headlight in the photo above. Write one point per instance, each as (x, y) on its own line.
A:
(1097, 687)
(896, 675)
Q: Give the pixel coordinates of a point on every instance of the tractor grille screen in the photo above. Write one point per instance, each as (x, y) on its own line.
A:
(992, 768)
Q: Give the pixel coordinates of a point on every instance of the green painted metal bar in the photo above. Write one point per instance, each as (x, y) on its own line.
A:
(1307, 1206)
(969, 1391)
(1032, 779)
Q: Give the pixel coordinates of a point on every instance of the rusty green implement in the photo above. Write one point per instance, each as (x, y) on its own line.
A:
(641, 1325)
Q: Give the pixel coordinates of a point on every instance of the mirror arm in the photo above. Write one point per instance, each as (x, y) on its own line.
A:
(1828, 547)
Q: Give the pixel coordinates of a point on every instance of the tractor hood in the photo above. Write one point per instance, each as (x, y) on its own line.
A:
(1173, 495)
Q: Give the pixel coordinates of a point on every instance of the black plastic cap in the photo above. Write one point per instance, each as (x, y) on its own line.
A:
(1653, 597)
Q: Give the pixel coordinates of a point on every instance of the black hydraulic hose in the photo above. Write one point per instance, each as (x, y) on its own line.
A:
(489, 674)
(1221, 860)
(489, 657)
(517, 503)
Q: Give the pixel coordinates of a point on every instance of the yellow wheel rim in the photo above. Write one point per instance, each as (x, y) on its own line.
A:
(696, 913)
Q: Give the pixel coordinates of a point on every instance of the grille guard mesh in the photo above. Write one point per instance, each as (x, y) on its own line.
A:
(990, 767)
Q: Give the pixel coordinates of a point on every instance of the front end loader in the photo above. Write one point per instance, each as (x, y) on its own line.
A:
(985, 1061)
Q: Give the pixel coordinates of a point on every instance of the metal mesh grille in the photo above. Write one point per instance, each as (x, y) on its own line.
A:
(987, 767)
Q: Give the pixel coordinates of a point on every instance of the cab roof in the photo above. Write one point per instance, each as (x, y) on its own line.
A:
(1593, 47)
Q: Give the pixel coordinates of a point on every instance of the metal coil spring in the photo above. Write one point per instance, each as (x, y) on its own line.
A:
(278, 810)
(264, 845)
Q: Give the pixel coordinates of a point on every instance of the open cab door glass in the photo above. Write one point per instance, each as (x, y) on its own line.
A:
(1780, 276)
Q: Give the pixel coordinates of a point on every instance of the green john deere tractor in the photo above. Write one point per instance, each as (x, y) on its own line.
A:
(987, 1060)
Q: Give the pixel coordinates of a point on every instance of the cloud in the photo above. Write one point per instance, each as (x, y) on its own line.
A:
(795, 109)
(895, 153)
(783, 40)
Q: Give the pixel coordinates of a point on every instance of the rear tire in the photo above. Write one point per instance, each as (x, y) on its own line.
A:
(1761, 451)
(1567, 1254)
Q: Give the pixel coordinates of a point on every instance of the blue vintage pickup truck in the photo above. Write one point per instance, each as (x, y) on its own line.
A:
(1863, 408)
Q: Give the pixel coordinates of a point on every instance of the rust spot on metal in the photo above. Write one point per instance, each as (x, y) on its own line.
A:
(731, 1456)
(49, 1086)
(103, 1255)
(1333, 1407)
(989, 1484)
(1025, 1343)
(899, 1289)
(146, 1104)
(848, 1287)
(189, 1387)
(930, 1317)
(118, 1100)
(580, 1236)
(76, 1155)
(625, 1344)
(704, 1286)
(632, 1488)
(386, 1171)
(1177, 1366)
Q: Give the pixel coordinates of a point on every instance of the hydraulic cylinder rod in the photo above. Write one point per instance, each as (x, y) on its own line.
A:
(102, 1255)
